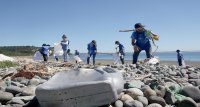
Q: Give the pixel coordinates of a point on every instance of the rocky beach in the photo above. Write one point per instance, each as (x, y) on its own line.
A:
(164, 85)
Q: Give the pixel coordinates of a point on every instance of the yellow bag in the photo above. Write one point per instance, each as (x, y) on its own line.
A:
(155, 37)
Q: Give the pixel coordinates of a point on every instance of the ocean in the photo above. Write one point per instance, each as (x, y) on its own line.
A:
(164, 56)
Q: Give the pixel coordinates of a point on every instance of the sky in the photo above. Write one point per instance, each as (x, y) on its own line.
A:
(34, 22)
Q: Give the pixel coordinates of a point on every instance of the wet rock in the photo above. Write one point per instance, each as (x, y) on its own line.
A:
(118, 103)
(143, 100)
(28, 91)
(158, 100)
(134, 103)
(5, 96)
(191, 92)
(126, 97)
(134, 92)
(154, 105)
(187, 102)
(13, 89)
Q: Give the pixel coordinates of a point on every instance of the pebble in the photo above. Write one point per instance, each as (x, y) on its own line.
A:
(13, 89)
(154, 105)
(126, 97)
(143, 100)
(5, 96)
(134, 92)
(118, 103)
(158, 100)
(28, 91)
(130, 103)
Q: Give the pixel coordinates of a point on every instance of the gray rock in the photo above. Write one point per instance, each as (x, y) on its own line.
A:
(160, 91)
(118, 103)
(149, 92)
(187, 102)
(136, 83)
(126, 97)
(134, 92)
(134, 103)
(172, 73)
(158, 100)
(191, 69)
(34, 82)
(5, 96)
(191, 92)
(14, 89)
(16, 101)
(23, 98)
(154, 105)
(183, 71)
(143, 100)
(28, 91)
(196, 82)
(193, 76)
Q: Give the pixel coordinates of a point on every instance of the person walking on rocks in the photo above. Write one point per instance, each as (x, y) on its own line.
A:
(180, 58)
(65, 47)
(77, 54)
(141, 40)
(120, 51)
(92, 51)
(44, 50)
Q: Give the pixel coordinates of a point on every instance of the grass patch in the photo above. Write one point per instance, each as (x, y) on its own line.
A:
(7, 64)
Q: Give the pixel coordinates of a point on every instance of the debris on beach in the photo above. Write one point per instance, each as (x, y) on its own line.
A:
(144, 85)
(5, 58)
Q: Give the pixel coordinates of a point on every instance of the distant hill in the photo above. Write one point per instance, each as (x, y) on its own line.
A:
(18, 50)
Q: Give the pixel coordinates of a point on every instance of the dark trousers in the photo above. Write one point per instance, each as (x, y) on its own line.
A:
(180, 62)
(136, 54)
(45, 57)
(88, 59)
(122, 59)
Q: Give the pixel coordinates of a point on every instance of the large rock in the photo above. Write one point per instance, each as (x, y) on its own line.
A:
(158, 100)
(5, 96)
(28, 91)
(134, 103)
(154, 105)
(191, 92)
(143, 100)
(13, 89)
(134, 92)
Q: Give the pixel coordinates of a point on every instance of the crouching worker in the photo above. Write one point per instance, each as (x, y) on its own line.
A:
(141, 40)
(44, 50)
(92, 51)
(77, 54)
(120, 51)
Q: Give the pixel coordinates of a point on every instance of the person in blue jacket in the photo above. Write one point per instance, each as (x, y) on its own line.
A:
(179, 58)
(44, 50)
(120, 51)
(77, 54)
(141, 40)
(92, 51)
(65, 47)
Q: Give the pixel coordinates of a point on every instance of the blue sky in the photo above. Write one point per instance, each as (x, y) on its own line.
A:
(34, 22)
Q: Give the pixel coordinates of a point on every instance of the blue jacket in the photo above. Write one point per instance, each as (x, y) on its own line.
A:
(121, 49)
(142, 39)
(65, 45)
(91, 48)
(45, 49)
(179, 56)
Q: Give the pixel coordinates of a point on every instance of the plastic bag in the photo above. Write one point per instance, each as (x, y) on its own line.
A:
(37, 56)
(58, 51)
